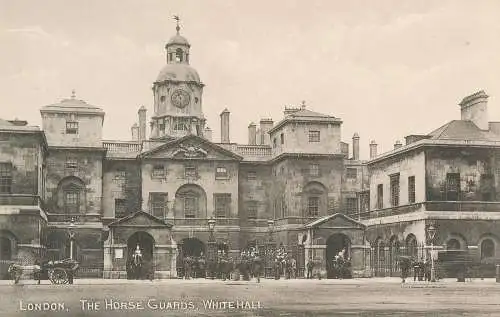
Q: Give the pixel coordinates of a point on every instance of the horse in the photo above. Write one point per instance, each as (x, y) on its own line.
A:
(16, 271)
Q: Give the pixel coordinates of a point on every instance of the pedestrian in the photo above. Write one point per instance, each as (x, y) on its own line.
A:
(310, 266)
(427, 268)
(416, 269)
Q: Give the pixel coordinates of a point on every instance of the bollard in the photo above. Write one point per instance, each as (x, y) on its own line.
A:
(498, 273)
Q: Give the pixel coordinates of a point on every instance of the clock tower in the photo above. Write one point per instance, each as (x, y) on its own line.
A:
(177, 93)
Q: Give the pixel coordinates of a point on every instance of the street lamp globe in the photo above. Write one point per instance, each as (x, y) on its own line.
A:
(270, 224)
(211, 224)
(431, 230)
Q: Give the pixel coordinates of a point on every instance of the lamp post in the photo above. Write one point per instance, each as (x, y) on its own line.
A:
(269, 249)
(71, 233)
(270, 227)
(431, 231)
(212, 253)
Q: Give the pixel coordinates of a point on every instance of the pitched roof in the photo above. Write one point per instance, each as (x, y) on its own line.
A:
(187, 137)
(5, 122)
(309, 114)
(320, 221)
(462, 130)
(136, 214)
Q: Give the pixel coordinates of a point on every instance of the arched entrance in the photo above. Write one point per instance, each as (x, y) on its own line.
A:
(195, 249)
(334, 245)
(8, 243)
(142, 266)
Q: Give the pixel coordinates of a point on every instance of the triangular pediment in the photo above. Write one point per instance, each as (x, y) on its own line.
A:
(140, 219)
(191, 147)
(337, 220)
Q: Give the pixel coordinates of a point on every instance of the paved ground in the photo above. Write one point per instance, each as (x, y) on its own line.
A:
(295, 298)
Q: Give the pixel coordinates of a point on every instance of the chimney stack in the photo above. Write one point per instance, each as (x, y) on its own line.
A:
(355, 146)
(252, 134)
(135, 132)
(142, 123)
(373, 149)
(398, 144)
(475, 109)
(258, 135)
(265, 126)
(208, 134)
(224, 126)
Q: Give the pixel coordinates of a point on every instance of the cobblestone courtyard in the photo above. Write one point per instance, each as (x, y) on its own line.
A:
(364, 297)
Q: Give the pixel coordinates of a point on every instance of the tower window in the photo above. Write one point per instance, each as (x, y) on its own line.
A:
(314, 136)
(196, 99)
(158, 171)
(178, 55)
(71, 127)
(190, 171)
(314, 170)
(71, 163)
(221, 173)
(162, 99)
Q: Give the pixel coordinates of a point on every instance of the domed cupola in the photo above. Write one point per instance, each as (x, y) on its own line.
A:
(177, 93)
(177, 47)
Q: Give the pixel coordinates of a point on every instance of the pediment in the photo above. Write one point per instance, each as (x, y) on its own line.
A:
(335, 221)
(140, 219)
(191, 147)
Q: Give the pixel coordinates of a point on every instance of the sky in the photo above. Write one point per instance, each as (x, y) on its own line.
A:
(386, 68)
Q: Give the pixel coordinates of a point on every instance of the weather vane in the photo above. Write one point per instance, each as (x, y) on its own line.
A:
(176, 18)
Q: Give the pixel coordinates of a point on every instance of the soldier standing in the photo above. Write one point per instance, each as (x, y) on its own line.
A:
(310, 266)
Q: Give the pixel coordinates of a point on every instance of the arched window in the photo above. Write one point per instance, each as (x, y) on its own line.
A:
(315, 199)
(71, 195)
(411, 246)
(179, 55)
(487, 249)
(453, 244)
(190, 201)
(5, 248)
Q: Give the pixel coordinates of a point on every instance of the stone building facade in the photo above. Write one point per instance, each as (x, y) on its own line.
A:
(66, 192)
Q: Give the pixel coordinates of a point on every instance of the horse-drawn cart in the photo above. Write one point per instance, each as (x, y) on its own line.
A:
(57, 272)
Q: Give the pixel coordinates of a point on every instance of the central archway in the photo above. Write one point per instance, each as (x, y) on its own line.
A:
(335, 244)
(143, 242)
(193, 247)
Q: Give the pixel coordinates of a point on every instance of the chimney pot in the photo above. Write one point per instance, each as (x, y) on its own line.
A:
(355, 146)
(252, 134)
(265, 126)
(373, 149)
(224, 126)
(142, 123)
(475, 108)
(208, 134)
(398, 144)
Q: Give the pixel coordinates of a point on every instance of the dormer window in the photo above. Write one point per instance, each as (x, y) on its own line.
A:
(71, 127)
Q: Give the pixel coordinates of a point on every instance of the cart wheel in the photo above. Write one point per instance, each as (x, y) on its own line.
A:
(58, 276)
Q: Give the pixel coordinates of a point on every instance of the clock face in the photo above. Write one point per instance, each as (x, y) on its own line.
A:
(180, 98)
